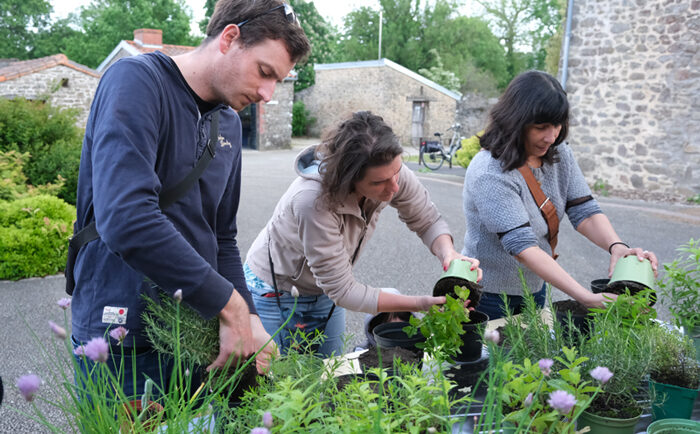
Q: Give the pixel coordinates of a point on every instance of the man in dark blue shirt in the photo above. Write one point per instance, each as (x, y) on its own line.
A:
(149, 124)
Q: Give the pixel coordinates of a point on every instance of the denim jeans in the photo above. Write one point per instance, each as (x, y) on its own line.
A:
(310, 315)
(492, 305)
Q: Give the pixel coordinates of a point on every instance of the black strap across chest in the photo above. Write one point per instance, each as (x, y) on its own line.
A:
(165, 199)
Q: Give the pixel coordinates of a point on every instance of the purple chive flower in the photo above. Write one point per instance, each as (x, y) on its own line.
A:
(57, 330)
(546, 365)
(528, 400)
(178, 295)
(118, 334)
(97, 350)
(259, 430)
(63, 303)
(493, 336)
(28, 385)
(267, 419)
(79, 351)
(602, 374)
(561, 401)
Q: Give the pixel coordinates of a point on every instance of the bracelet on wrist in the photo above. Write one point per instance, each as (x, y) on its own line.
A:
(615, 243)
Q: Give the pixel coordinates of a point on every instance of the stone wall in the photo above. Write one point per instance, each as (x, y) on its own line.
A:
(275, 118)
(381, 89)
(76, 91)
(472, 112)
(634, 89)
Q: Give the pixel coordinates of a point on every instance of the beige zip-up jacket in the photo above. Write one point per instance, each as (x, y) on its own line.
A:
(314, 248)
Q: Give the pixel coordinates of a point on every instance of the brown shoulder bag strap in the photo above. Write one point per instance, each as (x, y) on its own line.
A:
(549, 211)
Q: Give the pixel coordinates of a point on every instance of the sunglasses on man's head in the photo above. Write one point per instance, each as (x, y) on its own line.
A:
(288, 13)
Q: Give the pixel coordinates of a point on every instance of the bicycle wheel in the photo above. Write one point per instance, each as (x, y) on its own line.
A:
(432, 160)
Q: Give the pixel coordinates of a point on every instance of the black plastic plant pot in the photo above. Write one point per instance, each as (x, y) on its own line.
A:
(391, 334)
(471, 339)
(599, 285)
(579, 316)
(467, 374)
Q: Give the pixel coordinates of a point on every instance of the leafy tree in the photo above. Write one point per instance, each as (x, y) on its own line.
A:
(412, 36)
(526, 23)
(17, 19)
(105, 23)
(58, 38)
(553, 47)
(471, 47)
(439, 74)
(209, 11)
(323, 37)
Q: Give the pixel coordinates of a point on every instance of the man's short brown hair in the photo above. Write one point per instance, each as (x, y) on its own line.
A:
(272, 25)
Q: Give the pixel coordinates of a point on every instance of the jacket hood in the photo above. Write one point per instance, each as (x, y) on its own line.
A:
(306, 165)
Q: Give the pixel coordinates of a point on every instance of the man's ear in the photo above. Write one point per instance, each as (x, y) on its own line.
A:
(228, 36)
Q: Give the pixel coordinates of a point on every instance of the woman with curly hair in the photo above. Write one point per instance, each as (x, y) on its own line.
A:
(322, 223)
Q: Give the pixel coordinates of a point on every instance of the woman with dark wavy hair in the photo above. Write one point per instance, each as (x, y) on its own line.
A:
(322, 223)
(506, 224)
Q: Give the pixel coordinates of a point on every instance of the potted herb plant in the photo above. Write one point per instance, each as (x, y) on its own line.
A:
(172, 326)
(620, 340)
(681, 289)
(674, 376)
(537, 398)
(443, 327)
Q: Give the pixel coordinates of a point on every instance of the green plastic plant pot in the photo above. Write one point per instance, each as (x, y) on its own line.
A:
(673, 426)
(630, 268)
(459, 273)
(606, 425)
(671, 401)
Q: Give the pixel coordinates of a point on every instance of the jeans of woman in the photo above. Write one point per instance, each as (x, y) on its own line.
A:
(310, 315)
(492, 304)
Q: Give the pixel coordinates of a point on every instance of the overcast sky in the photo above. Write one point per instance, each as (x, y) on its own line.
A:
(331, 10)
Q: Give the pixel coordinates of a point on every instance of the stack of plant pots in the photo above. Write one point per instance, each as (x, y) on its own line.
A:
(472, 360)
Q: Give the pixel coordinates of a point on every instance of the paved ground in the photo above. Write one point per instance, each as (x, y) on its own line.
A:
(395, 257)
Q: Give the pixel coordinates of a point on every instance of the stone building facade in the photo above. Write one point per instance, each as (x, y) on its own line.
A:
(634, 90)
(54, 79)
(411, 104)
(265, 126)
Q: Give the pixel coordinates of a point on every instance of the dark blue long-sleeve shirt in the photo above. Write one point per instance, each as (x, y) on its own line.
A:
(145, 134)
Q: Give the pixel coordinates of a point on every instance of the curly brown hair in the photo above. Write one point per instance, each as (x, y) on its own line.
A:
(362, 141)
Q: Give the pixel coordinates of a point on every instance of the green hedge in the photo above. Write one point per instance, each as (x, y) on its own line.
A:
(51, 138)
(301, 121)
(470, 147)
(34, 234)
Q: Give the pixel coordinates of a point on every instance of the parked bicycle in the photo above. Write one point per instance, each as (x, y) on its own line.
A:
(433, 154)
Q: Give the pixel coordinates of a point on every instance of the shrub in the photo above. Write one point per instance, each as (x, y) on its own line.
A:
(470, 147)
(13, 181)
(37, 128)
(34, 235)
(681, 285)
(62, 159)
(301, 121)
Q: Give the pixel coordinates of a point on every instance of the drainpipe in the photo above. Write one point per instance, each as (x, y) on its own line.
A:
(567, 39)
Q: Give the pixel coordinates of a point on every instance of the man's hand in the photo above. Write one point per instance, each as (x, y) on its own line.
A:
(235, 335)
(262, 340)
